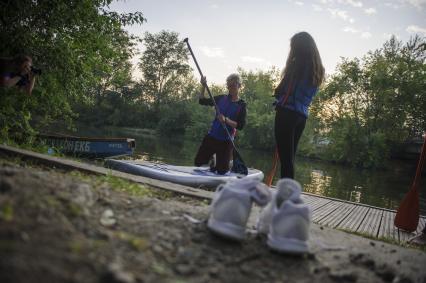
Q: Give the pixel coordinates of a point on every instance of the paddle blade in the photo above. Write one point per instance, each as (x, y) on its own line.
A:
(407, 216)
(238, 165)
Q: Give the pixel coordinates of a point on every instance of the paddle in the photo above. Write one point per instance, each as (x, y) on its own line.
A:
(407, 216)
(238, 165)
(270, 177)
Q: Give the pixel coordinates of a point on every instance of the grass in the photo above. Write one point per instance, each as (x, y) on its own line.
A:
(81, 246)
(36, 147)
(115, 183)
(121, 185)
(385, 239)
(6, 212)
(137, 243)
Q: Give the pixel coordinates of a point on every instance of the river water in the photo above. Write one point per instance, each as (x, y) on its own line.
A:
(382, 188)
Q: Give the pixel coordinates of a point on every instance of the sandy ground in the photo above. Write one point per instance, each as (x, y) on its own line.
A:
(62, 227)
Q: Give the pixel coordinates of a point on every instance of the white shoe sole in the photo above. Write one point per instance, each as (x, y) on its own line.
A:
(287, 245)
(227, 230)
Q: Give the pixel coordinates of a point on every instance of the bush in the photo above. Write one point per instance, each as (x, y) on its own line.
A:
(352, 144)
(174, 119)
(15, 116)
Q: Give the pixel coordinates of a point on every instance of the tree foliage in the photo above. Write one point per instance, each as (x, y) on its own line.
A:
(257, 90)
(164, 65)
(371, 105)
(80, 46)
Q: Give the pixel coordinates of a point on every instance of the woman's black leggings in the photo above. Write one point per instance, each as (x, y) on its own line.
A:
(289, 126)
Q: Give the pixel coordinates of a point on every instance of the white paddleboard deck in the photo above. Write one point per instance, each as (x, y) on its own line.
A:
(184, 175)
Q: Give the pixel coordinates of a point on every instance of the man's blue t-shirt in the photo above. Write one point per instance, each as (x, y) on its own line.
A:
(234, 110)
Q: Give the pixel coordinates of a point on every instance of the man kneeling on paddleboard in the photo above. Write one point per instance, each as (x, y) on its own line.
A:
(231, 113)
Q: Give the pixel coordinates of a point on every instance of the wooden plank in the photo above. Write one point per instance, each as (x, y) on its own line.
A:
(371, 223)
(319, 202)
(393, 230)
(346, 201)
(354, 219)
(308, 199)
(386, 226)
(339, 215)
(403, 236)
(422, 224)
(325, 210)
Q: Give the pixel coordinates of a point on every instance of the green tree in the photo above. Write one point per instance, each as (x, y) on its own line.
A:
(257, 90)
(80, 46)
(165, 69)
(370, 105)
(201, 116)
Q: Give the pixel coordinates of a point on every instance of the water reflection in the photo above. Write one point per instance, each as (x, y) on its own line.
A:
(378, 188)
(318, 184)
(355, 196)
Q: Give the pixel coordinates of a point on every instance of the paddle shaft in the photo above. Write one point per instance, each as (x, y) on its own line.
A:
(420, 163)
(270, 177)
(212, 98)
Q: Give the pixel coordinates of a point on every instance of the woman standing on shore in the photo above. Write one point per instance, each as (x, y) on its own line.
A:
(302, 76)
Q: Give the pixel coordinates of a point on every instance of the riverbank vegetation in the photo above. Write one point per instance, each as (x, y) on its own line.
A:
(364, 109)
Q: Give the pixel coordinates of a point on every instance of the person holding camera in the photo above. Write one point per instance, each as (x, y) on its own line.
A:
(19, 72)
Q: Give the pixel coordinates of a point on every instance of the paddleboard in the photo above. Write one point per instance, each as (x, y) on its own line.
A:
(184, 175)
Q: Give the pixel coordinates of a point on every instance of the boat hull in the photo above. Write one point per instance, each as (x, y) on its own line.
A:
(90, 147)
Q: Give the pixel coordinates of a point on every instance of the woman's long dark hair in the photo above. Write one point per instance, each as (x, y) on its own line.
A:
(303, 62)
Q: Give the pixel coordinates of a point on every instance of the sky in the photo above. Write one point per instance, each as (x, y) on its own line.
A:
(255, 35)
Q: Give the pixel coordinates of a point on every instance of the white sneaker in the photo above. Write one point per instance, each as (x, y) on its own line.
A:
(231, 206)
(286, 219)
(287, 189)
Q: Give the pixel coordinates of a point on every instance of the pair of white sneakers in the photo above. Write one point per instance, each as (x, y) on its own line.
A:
(284, 217)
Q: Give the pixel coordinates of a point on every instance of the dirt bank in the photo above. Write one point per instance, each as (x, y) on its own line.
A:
(61, 227)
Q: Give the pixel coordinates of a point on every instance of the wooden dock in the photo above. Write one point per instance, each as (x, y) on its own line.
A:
(350, 216)
(355, 217)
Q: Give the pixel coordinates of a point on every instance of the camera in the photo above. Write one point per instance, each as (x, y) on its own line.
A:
(35, 71)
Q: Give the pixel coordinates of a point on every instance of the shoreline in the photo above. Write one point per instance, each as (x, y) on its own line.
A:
(56, 228)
